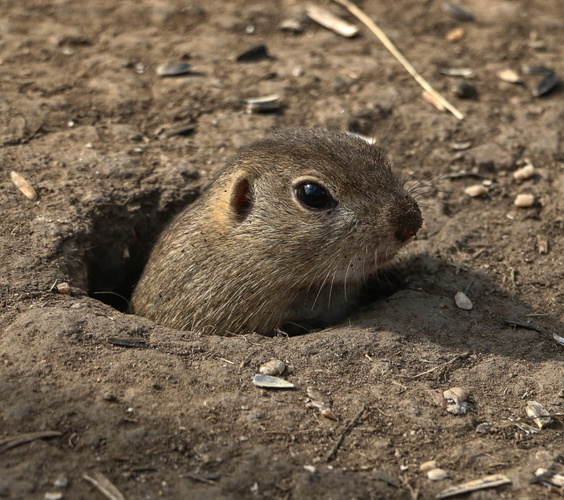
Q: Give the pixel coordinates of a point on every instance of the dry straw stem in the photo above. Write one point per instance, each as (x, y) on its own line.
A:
(372, 26)
(105, 486)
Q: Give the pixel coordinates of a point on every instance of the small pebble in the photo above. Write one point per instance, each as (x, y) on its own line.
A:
(455, 35)
(524, 173)
(57, 495)
(510, 76)
(476, 190)
(64, 288)
(462, 301)
(524, 200)
(273, 367)
(437, 474)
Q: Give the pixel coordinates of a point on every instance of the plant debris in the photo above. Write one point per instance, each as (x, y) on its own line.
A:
(268, 382)
(23, 185)
(492, 481)
(330, 21)
(174, 69)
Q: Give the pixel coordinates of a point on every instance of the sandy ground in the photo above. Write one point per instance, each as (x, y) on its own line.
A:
(84, 118)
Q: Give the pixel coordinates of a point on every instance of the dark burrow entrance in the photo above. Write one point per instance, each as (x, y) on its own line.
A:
(120, 241)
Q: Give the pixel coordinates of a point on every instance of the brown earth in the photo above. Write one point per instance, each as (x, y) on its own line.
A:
(84, 117)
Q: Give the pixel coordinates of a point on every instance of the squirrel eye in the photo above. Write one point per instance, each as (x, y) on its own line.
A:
(314, 196)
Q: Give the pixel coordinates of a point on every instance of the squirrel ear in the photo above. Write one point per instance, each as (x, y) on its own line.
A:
(241, 200)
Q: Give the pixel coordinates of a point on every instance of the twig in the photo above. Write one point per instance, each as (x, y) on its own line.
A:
(12, 442)
(442, 365)
(351, 424)
(104, 485)
(372, 26)
(198, 477)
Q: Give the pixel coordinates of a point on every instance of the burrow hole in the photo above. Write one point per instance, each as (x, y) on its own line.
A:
(121, 239)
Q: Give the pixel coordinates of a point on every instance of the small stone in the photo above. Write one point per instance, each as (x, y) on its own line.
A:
(524, 200)
(455, 35)
(476, 190)
(53, 495)
(64, 288)
(273, 367)
(524, 173)
(510, 76)
(463, 302)
(437, 474)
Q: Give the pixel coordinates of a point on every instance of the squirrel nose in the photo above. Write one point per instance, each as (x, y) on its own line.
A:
(408, 221)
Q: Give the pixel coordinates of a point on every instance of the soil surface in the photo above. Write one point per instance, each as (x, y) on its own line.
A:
(114, 150)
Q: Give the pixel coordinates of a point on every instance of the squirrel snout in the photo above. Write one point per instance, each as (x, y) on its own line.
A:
(408, 222)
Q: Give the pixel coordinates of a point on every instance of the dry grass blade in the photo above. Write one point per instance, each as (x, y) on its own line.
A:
(492, 481)
(104, 485)
(330, 21)
(12, 442)
(372, 26)
(350, 425)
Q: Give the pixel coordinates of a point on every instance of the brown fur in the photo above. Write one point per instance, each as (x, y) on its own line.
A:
(247, 256)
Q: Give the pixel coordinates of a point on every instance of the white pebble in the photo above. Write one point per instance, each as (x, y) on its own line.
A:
(437, 474)
(524, 173)
(476, 190)
(524, 200)
(463, 302)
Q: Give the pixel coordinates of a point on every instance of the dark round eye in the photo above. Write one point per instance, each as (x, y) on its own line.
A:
(313, 195)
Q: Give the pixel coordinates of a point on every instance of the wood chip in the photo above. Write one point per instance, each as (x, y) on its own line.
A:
(479, 484)
(23, 185)
(104, 485)
(331, 21)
